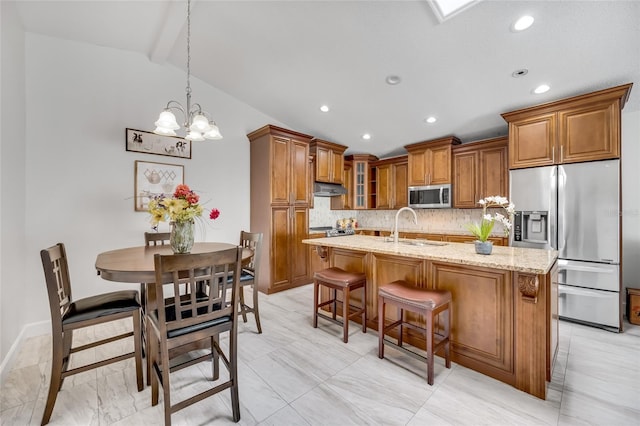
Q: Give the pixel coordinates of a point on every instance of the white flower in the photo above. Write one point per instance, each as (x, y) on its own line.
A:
(505, 220)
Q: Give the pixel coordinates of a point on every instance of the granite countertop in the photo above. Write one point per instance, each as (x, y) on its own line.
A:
(533, 261)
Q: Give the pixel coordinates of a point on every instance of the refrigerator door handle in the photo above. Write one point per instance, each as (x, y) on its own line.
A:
(562, 210)
(563, 290)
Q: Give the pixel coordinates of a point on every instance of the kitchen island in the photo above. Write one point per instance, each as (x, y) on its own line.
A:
(505, 305)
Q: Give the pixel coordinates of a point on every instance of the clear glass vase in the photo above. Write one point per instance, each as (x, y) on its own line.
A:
(182, 236)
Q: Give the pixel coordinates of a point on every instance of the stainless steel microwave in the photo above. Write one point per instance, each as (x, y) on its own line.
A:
(430, 197)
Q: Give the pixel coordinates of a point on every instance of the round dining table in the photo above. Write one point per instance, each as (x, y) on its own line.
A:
(136, 264)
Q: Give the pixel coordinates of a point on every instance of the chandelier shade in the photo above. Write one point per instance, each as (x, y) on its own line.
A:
(197, 123)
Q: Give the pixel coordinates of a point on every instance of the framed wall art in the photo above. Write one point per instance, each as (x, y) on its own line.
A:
(153, 179)
(150, 143)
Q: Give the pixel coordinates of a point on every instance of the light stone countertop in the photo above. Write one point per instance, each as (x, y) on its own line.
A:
(533, 261)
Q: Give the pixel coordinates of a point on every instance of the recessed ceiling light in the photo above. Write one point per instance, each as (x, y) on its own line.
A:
(523, 23)
(324, 108)
(541, 89)
(430, 120)
(519, 73)
(366, 136)
(393, 79)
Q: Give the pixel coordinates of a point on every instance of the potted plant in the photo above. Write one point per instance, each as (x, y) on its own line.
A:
(180, 210)
(482, 230)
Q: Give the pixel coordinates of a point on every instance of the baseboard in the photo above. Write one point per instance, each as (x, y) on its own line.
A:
(29, 330)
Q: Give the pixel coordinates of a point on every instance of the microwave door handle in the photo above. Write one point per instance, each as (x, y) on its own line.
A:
(441, 196)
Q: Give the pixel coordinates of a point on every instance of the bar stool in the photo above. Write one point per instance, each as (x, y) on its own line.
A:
(429, 303)
(339, 279)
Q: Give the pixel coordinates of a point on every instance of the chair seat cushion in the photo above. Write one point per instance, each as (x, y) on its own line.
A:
(421, 298)
(245, 275)
(339, 277)
(101, 305)
(170, 314)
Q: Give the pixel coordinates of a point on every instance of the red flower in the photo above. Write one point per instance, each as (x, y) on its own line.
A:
(215, 213)
(182, 191)
(192, 198)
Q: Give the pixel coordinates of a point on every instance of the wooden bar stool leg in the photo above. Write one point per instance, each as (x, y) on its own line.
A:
(429, 332)
(345, 315)
(381, 307)
(335, 302)
(447, 346)
(401, 319)
(364, 309)
(316, 288)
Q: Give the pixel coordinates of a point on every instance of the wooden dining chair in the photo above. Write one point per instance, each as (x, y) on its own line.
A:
(68, 315)
(181, 321)
(150, 239)
(249, 276)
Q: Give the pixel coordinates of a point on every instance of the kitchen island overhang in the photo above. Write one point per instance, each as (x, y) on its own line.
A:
(505, 305)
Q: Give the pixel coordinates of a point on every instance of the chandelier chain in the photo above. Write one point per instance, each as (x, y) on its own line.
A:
(188, 46)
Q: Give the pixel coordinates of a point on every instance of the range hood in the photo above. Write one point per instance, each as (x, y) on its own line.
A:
(322, 189)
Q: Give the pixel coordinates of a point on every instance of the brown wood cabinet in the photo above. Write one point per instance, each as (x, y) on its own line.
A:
(505, 323)
(316, 263)
(329, 161)
(430, 161)
(280, 193)
(345, 202)
(582, 128)
(480, 169)
(363, 195)
(391, 182)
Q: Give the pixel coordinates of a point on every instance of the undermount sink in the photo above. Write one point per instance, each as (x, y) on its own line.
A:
(423, 243)
(416, 242)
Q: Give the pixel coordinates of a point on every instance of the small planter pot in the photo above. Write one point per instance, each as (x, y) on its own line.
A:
(483, 247)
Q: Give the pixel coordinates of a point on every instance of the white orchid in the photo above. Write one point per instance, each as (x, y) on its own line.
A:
(483, 230)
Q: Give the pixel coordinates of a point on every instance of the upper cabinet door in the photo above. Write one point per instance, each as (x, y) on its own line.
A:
(440, 165)
(465, 180)
(590, 132)
(400, 187)
(418, 167)
(532, 142)
(493, 172)
(300, 191)
(323, 165)
(280, 171)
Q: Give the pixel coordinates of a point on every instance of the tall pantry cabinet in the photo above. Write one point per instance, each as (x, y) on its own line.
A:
(280, 195)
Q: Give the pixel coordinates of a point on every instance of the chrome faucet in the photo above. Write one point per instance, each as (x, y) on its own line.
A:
(415, 220)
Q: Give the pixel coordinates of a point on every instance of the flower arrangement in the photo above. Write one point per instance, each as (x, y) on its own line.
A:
(183, 206)
(483, 230)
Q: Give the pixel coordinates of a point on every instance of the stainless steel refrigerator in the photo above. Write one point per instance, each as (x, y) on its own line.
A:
(575, 209)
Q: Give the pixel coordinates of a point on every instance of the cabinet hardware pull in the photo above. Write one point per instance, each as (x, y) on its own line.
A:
(561, 153)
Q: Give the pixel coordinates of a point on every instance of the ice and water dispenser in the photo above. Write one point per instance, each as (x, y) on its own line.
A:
(531, 227)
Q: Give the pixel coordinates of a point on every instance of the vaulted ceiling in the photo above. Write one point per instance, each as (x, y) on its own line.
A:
(287, 58)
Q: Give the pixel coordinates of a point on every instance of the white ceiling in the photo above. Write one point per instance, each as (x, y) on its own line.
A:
(286, 58)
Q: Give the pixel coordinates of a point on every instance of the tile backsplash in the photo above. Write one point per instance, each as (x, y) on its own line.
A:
(452, 221)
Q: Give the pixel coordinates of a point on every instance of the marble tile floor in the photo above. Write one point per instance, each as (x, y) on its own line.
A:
(293, 374)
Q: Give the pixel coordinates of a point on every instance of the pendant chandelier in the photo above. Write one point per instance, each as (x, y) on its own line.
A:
(198, 124)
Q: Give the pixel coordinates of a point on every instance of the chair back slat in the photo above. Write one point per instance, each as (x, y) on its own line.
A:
(56, 274)
(253, 241)
(156, 238)
(199, 283)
